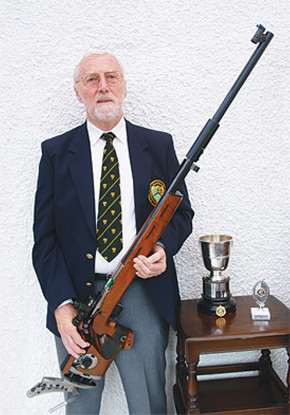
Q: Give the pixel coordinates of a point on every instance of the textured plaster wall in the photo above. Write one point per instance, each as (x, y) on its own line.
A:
(181, 58)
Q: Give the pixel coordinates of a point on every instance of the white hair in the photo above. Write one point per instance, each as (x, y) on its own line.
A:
(93, 55)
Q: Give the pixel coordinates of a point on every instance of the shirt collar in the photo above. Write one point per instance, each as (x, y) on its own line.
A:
(119, 130)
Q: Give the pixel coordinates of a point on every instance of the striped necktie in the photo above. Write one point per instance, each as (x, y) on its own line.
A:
(109, 223)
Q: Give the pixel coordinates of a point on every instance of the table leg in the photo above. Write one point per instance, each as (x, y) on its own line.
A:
(288, 374)
(192, 358)
(265, 364)
(180, 360)
(180, 388)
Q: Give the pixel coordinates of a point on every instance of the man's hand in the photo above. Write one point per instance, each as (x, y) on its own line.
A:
(70, 337)
(152, 266)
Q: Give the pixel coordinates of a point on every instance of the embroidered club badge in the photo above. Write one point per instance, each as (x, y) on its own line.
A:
(156, 191)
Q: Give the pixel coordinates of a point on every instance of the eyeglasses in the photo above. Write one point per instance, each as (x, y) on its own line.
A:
(92, 80)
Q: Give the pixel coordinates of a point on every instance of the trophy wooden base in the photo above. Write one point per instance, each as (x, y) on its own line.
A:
(220, 307)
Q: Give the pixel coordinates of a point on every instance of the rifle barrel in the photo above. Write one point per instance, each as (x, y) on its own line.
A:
(212, 125)
(243, 76)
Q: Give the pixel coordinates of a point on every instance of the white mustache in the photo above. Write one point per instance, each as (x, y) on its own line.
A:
(101, 97)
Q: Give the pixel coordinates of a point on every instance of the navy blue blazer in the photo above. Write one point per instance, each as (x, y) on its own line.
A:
(65, 223)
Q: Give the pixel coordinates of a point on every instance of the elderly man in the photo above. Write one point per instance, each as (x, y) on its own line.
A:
(69, 255)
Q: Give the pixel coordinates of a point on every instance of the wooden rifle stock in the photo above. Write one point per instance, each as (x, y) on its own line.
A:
(107, 338)
(101, 325)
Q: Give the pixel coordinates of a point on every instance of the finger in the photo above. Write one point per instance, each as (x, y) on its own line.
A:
(80, 341)
(142, 259)
(157, 254)
(75, 345)
(144, 269)
(72, 348)
(151, 262)
(141, 264)
(152, 266)
(154, 258)
(71, 337)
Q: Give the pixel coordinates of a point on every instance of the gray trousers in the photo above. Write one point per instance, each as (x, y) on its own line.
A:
(142, 368)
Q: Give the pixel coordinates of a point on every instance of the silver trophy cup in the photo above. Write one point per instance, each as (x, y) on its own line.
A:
(216, 297)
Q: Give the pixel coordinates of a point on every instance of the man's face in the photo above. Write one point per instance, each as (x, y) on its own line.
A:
(103, 103)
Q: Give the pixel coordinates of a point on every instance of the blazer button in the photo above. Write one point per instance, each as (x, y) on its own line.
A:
(89, 284)
(89, 256)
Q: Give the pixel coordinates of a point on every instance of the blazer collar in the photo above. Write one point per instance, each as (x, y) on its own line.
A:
(80, 165)
(141, 164)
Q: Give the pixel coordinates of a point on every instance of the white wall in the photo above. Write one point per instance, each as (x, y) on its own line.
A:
(181, 58)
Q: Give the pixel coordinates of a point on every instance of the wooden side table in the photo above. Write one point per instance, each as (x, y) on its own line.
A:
(198, 333)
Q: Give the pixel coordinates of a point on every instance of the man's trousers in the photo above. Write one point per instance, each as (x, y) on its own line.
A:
(141, 368)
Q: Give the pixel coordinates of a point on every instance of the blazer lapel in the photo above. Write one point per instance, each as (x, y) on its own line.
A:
(141, 169)
(80, 165)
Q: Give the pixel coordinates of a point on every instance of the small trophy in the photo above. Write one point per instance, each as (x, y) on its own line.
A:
(216, 298)
(261, 293)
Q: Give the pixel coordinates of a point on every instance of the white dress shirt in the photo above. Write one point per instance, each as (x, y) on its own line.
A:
(126, 186)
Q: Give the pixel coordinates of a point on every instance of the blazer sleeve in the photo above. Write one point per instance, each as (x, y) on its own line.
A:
(180, 226)
(48, 260)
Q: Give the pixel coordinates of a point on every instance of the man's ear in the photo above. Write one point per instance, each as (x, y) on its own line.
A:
(78, 94)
